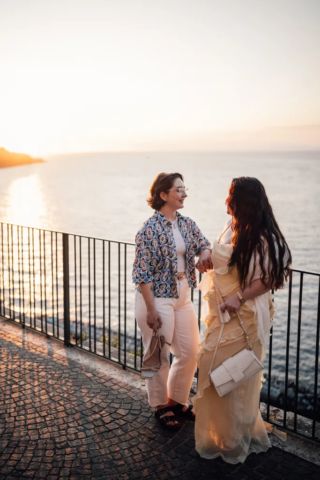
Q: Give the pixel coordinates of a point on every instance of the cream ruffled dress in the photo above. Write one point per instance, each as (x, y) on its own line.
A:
(231, 426)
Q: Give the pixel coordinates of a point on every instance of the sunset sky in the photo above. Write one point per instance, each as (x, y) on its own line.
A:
(99, 75)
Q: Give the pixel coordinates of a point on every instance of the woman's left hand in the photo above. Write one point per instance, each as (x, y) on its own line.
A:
(232, 304)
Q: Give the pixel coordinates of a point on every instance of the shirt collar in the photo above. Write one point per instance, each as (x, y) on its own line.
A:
(163, 219)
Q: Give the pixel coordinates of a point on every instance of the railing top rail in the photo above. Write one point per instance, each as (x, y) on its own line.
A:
(297, 270)
(68, 233)
(306, 271)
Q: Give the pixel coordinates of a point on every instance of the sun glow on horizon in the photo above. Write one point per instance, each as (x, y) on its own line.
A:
(26, 204)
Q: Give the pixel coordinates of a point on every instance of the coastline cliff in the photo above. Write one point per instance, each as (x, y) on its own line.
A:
(10, 159)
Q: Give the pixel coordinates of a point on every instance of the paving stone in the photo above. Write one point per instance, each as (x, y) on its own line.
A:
(259, 476)
(237, 476)
(63, 420)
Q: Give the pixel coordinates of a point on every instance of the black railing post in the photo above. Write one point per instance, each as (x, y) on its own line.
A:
(298, 355)
(315, 392)
(66, 290)
(287, 353)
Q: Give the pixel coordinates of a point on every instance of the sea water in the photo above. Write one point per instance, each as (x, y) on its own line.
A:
(103, 195)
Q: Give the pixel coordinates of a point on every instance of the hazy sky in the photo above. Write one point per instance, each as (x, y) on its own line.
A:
(94, 75)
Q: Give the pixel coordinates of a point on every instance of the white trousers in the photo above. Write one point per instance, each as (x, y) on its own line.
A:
(180, 329)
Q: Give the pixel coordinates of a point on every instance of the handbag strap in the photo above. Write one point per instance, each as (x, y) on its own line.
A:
(219, 340)
(216, 349)
(156, 334)
(245, 332)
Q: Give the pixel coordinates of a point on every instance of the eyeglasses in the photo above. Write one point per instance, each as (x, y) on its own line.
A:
(182, 190)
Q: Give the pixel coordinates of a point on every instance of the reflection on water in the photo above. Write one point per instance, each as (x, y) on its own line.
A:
(25, 202)
(31, 275)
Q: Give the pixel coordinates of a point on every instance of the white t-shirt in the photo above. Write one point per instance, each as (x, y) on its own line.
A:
(180, 247)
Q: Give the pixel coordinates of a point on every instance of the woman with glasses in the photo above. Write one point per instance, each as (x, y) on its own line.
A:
(164, 272)
(250, 258)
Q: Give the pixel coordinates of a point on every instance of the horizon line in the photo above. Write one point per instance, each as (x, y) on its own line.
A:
(253, 150)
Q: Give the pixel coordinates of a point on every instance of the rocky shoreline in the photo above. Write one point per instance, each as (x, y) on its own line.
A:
(305, 397)
(11, 159)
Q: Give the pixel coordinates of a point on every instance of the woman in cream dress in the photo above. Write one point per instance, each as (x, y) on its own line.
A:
(250, 257)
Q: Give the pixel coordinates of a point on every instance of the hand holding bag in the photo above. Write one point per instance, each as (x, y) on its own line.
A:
(152, 358)
(237, 369)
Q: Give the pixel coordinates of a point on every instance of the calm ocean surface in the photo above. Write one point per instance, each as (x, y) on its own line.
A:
(104, 195)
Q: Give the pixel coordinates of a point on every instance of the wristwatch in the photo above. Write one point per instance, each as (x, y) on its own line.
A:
(242, 300)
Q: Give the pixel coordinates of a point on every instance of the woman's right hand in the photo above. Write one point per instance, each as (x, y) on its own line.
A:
(153, 319)
(205, 262)
(231, 304)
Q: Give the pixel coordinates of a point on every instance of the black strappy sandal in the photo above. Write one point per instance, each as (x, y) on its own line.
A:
(187, 414)
(164, 420)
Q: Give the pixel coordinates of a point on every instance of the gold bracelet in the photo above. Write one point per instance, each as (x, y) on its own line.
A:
(242, 300)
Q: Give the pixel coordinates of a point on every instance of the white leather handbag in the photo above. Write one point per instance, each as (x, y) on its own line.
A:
(235, 370)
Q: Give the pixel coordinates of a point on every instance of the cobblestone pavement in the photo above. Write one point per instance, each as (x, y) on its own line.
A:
(61, 419)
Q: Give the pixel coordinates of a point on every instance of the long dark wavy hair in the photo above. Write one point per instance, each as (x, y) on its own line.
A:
(256, 232)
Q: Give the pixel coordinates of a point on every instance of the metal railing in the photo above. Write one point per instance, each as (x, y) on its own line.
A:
(78, 289)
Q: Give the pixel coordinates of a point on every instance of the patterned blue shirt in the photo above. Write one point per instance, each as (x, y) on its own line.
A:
(156, 258)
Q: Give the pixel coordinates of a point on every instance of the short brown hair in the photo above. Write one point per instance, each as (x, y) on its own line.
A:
(162, 183)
